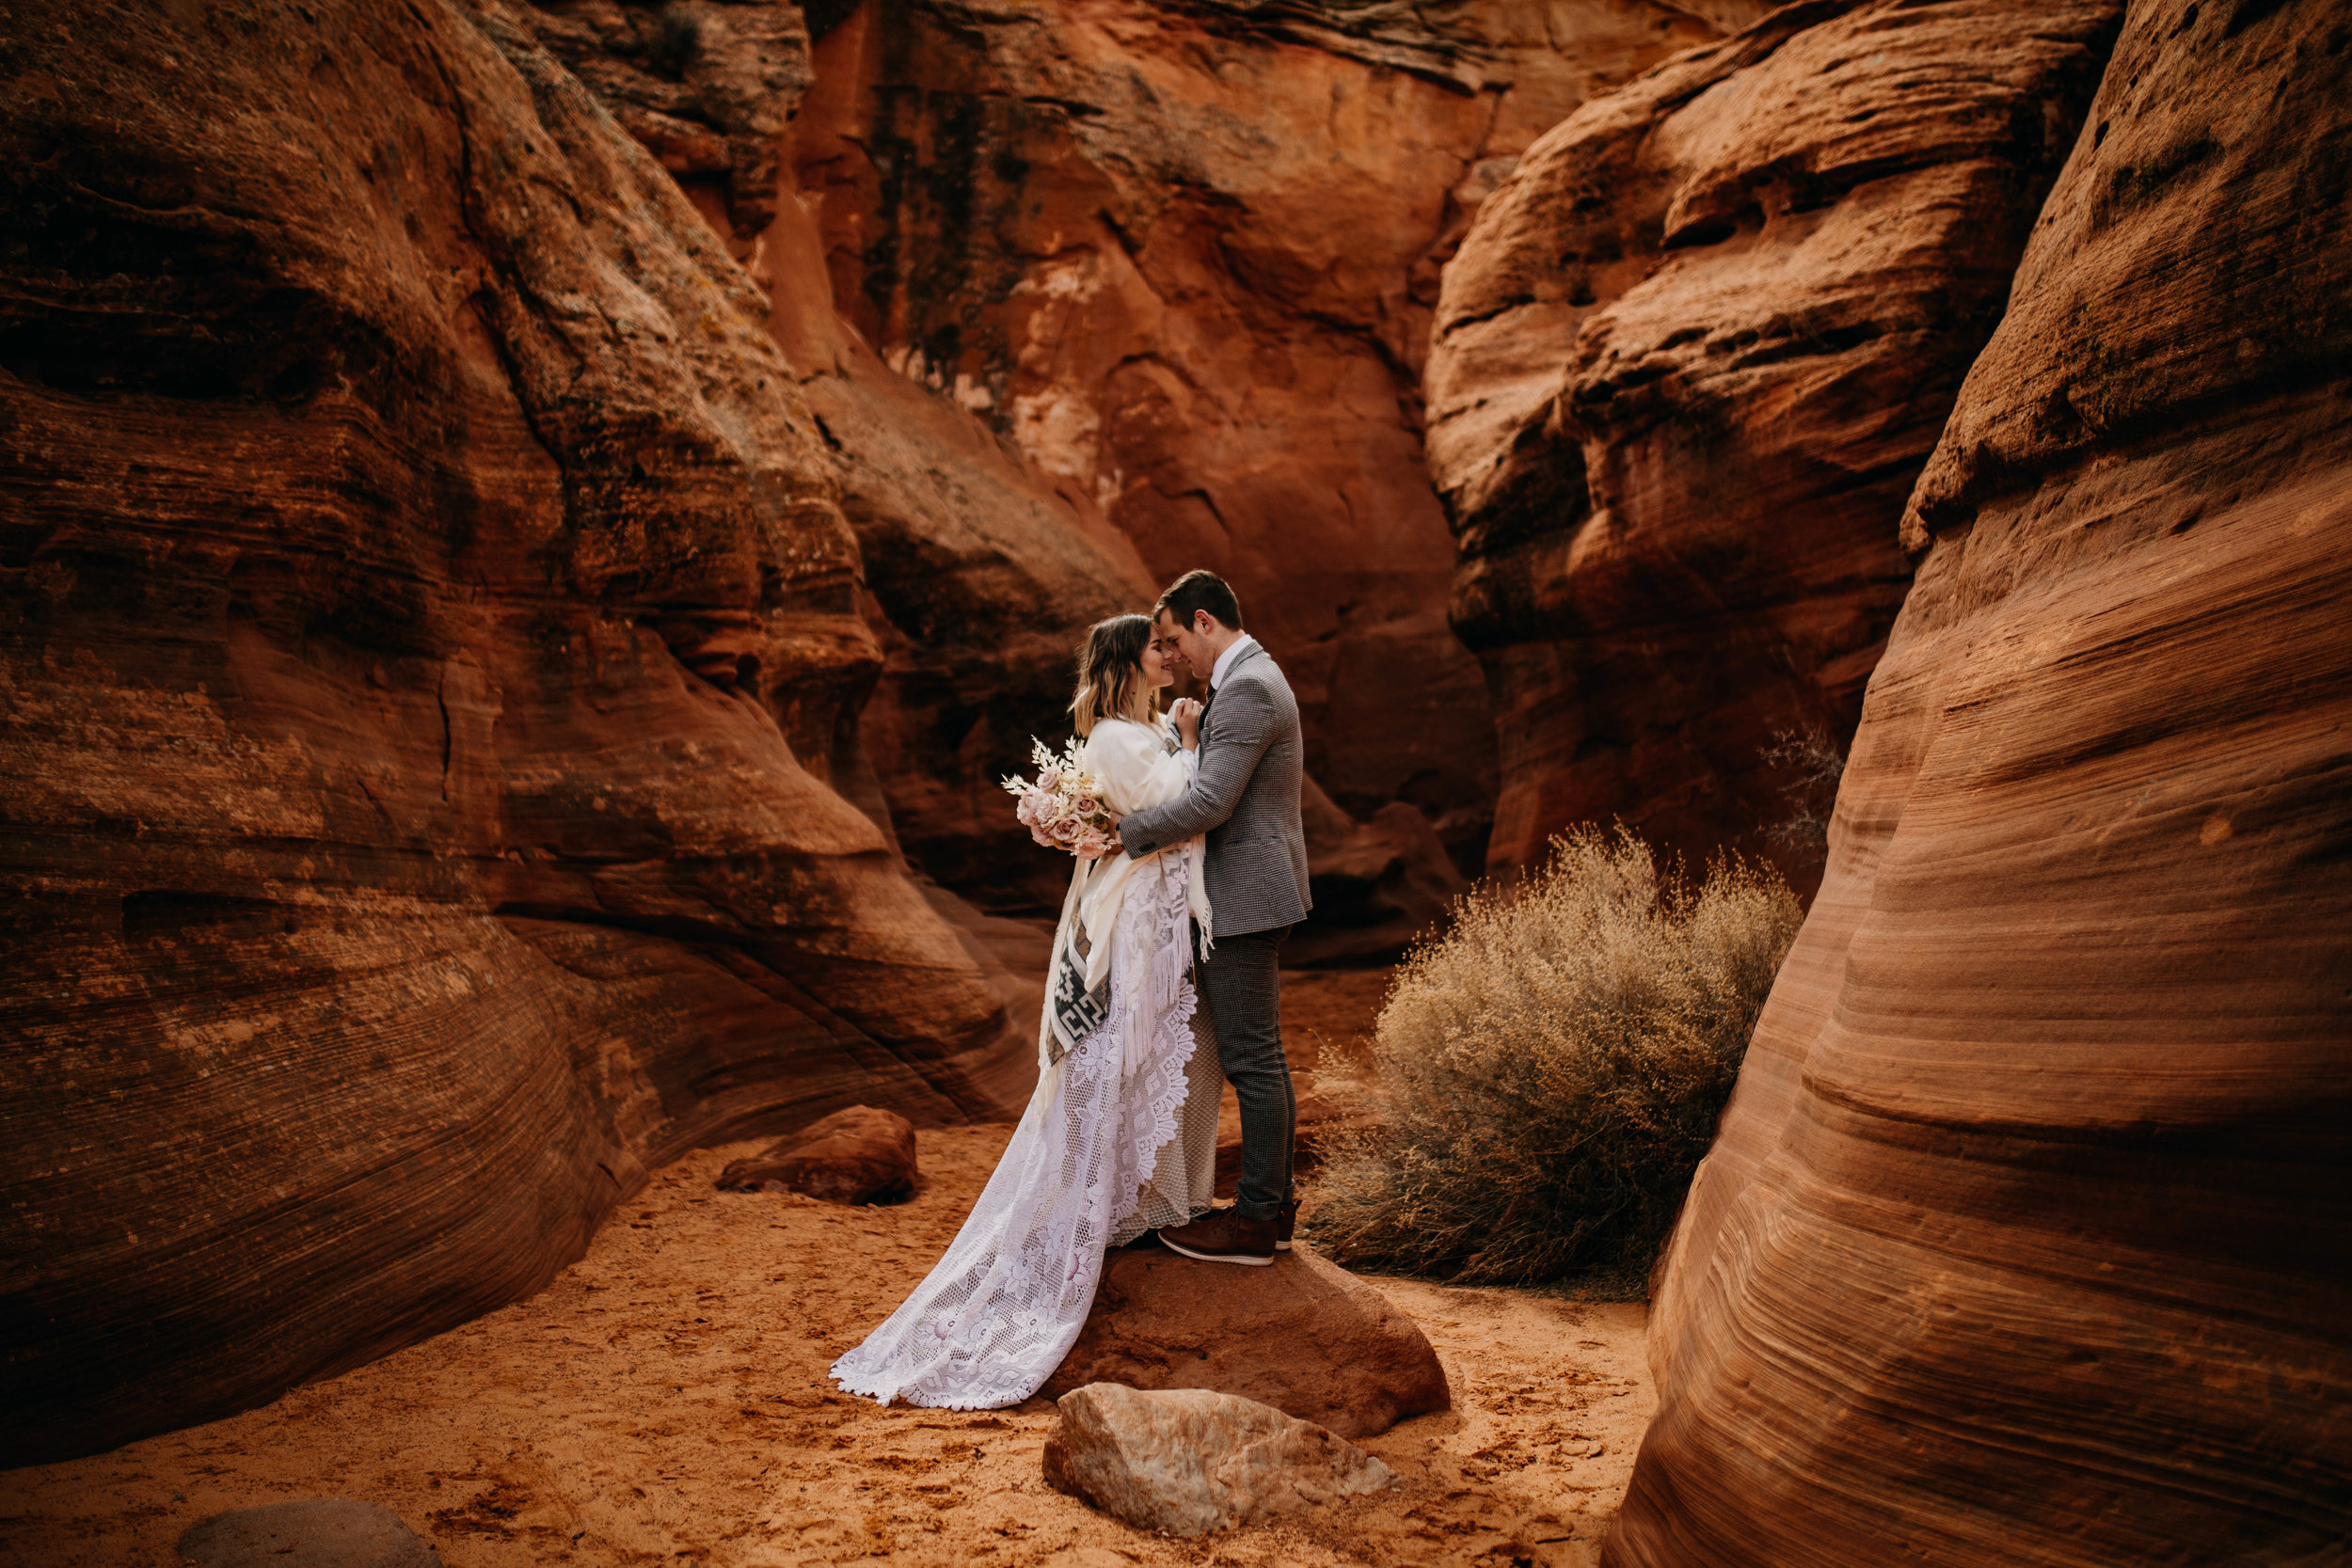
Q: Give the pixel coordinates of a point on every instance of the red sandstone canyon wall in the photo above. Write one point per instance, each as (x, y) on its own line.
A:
(431, 646)
(990, 537)
(1685, 367)
(2028, 1235)
(982, 569)
(1181, 257)
(980, 577)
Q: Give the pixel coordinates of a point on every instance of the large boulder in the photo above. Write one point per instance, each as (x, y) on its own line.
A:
(1188, 1462)
(1181, 257)
(2025, 1236)
(431, 646)
(860, 1155)
(1301, 1334)
(1686, 365)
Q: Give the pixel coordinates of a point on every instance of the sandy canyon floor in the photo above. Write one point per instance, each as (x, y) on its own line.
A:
(664, 1400)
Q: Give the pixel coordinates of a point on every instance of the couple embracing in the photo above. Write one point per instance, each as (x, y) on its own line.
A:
(1164, 978)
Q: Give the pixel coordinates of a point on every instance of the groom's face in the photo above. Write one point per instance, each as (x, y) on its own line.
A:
(1163, 639)
(1183, 645)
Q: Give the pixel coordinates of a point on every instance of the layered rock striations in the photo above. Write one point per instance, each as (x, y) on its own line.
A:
(432, 650)
(1685, 367)
(1181, 257)
(2025, 1236)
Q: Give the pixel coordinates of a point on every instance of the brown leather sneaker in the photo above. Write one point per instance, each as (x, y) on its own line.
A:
(1224, 1237)
(1285, 1224)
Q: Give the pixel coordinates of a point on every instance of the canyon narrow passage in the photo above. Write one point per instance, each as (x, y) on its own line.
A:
(662, 1401)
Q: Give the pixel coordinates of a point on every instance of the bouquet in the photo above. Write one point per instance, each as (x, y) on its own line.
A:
(1063, 807)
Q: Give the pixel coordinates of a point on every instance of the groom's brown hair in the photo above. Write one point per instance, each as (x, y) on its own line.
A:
(1200, 590)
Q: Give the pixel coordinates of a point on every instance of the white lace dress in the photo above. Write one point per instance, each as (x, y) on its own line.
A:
(1120, 1138)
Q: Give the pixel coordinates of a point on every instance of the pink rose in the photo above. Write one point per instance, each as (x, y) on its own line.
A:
(1087, 805)
(1066, 830)
(1050, 780)
(1034, 810)
(1043, 841)
(1090, 846)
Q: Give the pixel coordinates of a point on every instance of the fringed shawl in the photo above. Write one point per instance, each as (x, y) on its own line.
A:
(1140, 766)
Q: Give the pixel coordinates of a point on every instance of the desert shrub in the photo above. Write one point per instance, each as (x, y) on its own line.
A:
(1548, 1071)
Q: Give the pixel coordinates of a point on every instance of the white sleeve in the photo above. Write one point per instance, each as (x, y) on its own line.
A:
(1134, 766)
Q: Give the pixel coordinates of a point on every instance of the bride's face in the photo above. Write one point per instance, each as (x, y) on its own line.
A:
(1157, 673)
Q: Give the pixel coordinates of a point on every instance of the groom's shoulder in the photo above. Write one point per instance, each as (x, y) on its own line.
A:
(1259, 669)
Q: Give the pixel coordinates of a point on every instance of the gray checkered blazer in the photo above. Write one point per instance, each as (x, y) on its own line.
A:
(1246, 799)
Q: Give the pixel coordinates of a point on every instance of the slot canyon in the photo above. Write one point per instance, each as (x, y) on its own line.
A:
(532, 530)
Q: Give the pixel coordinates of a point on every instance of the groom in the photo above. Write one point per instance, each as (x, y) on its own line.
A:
(1245, 796)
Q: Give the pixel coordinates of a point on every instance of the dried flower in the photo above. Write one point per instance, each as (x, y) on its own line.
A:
(1063, 807)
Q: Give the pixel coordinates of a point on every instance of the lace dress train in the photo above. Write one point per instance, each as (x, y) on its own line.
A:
(1115, 1142)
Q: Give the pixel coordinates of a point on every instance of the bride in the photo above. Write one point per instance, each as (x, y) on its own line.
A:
(1121, 1136)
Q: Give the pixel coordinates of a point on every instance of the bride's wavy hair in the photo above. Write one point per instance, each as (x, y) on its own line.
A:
(1110, 674)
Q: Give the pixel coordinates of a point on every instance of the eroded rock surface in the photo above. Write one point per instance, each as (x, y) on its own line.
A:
(706, 86)
(1181, 257)
(1301, 1334)
(1188, 1462)
(431, 643)
(1687, 364)
(2025, 1235)
(860, 1155)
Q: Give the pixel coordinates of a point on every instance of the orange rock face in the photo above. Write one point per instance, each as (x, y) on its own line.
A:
(1181, 257)
(2025, 1236)
(431, 641)
(1687, 364)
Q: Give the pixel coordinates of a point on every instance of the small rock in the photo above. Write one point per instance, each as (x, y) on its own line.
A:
(860, 1155)
(1187, 1461)
(320, 1532)
(1303, 1336)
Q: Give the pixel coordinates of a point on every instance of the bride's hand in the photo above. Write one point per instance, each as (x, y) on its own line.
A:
(1186, 713)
